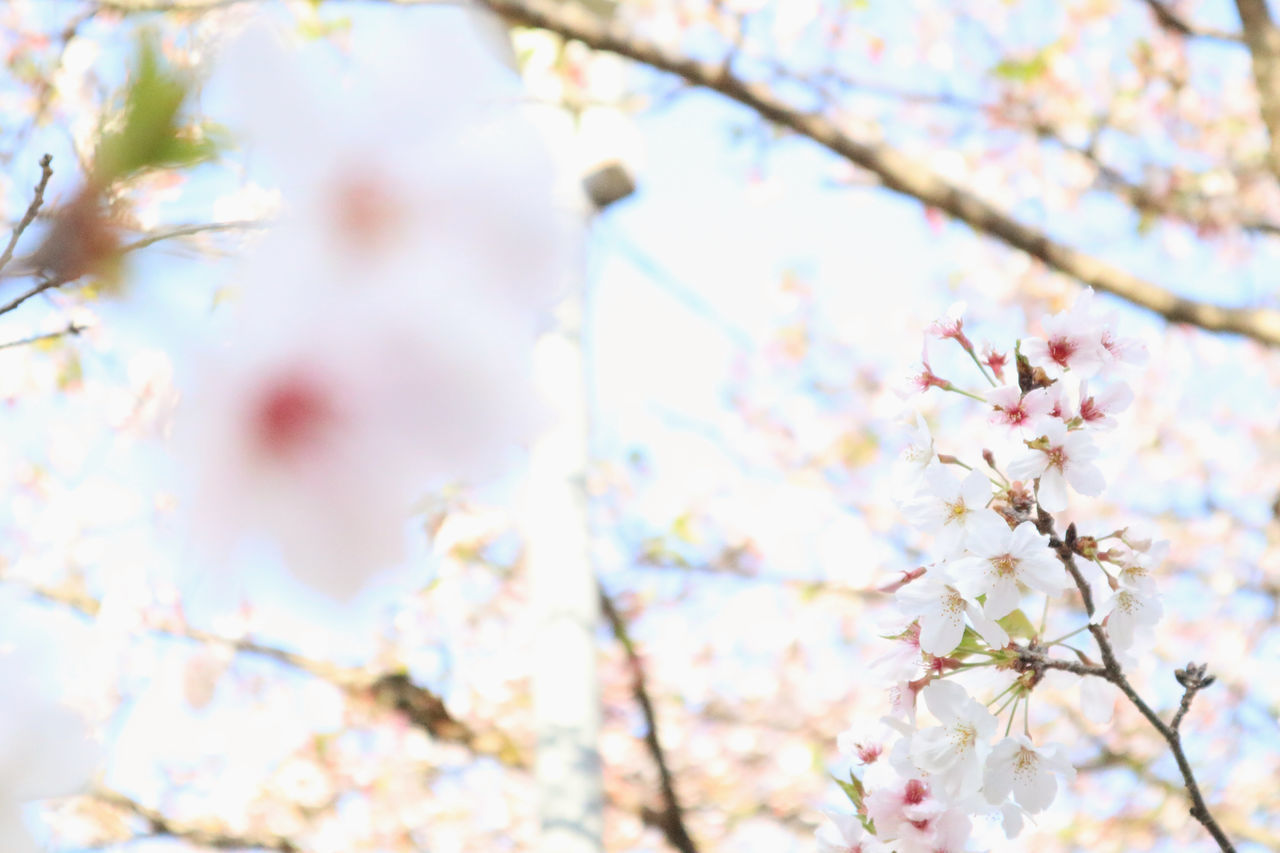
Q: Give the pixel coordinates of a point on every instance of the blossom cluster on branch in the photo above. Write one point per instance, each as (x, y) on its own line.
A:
(967, 648)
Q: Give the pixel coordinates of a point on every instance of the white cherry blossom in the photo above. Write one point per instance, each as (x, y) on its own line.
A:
(953, 751)
(1126, 611)
(1060, 457)
(953, 508)
(1017, 766)
(941, 609)
(1005, 559)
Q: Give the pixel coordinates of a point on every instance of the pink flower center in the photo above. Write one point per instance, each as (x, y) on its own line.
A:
(914, 793)
(289, 416)
(1089, 411)
(1061, 350)
(365, 212)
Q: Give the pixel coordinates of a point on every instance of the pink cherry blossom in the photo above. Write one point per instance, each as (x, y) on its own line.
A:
(1096, 410)
(1072, 341)
(1016, 410)
(951, 326)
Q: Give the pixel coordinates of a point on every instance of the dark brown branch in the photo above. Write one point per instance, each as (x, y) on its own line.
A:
(1175, 23)
(1115, 674)
(895, 170)
(1263, 39)
(46, 172)
(671, 819)
(71, 329)
(204, 833)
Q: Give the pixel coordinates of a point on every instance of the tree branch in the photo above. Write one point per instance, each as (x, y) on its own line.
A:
(1263, 39)
(46, 172)
(391, 691)
(1175, 23)
(671, 819)
(1115, 674)
(203, 833)
(70, 329)
(895, 170)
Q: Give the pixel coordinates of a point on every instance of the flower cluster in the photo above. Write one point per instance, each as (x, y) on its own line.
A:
(386, 322)
(963, 633)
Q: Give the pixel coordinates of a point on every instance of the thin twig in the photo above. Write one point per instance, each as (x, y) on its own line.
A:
(1115, 674)
(72, 328)
(45, 284)
(46, 172)
(671, 819)
(203, 833)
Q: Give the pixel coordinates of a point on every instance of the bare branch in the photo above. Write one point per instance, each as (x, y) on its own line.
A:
(389, 690)
(1175, 23)
(45, 284)
(71, 329)
(46, 172)
(204, 833)
(671, 819)
(894, 169)
(1115, 674)
(1263, 38)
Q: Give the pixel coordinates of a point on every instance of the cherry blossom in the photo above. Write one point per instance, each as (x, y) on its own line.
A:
(1017, 410)
(1018, 766)
(320, 434)
(951, 326)
(905, 811)
(994, 360)
(1059, 458)
(1096, 410)
(1126, 611)
(385, 193)
(941, 609)
(1004, 560)
(954, 509)
(953, 751)
(1072, 341)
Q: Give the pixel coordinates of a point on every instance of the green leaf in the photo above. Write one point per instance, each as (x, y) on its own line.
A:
(853, 789)
(150, 135)
(1026, 70)
(1018, 625)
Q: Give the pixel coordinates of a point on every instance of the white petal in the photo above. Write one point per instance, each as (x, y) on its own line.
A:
(1053, 491)
(1002, 598)
(1085, 478)
(1028, 466)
